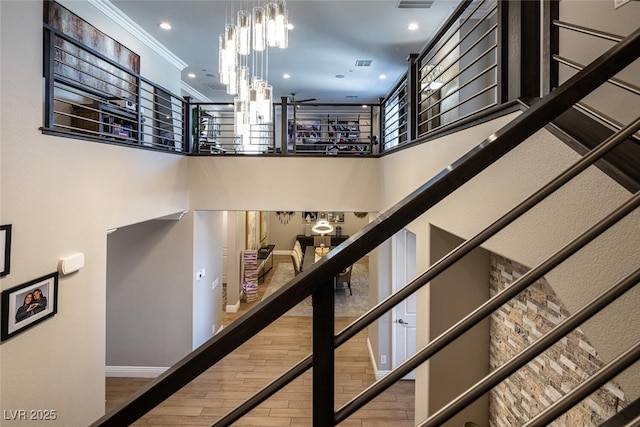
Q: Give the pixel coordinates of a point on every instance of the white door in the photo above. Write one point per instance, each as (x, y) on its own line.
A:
(404, 314)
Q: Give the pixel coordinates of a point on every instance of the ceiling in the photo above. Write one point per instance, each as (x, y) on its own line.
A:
(327, 40)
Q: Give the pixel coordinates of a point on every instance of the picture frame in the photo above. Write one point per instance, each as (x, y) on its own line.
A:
(264, 225)
(22, 308)
(5, 247)
(252, 231)
(311, 216)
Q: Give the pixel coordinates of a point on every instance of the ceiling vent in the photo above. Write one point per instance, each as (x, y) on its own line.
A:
(414, 4)
(363, 62)
(352, 96)
(217, 86)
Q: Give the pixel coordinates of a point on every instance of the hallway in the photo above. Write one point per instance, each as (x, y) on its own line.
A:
(260, 360)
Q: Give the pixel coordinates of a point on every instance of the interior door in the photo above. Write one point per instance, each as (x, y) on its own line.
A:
(404, 314)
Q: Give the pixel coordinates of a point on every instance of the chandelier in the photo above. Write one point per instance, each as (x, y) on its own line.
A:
(243, 67)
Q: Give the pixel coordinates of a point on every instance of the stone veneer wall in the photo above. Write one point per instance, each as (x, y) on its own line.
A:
(551, 375)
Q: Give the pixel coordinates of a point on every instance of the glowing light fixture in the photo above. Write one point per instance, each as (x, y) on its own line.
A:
(322, 227)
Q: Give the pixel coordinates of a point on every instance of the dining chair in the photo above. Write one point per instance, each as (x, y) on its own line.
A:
(345, 277)
(322, 240)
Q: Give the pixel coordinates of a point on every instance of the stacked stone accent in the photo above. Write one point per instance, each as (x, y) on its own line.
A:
(551, 375)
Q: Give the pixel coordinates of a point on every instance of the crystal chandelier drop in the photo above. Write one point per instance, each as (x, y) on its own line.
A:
(249, 38)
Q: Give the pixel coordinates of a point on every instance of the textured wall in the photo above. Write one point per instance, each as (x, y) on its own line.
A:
(558, 370)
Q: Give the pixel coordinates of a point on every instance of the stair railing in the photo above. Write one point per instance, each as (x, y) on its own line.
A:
(313, 281)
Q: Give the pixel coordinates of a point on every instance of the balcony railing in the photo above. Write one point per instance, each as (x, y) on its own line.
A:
(315, 280)
(90, 96)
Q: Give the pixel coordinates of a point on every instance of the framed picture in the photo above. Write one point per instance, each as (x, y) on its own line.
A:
(5, 247)
(26, 305)
(264, 225)
(309, 216)
(252, 231)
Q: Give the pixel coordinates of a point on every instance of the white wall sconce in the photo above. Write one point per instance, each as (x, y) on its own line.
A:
(71, 264)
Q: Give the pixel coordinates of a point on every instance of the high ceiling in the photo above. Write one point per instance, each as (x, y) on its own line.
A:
(328, 38)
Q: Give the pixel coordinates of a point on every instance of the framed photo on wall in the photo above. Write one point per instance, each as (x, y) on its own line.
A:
(5, 247)
(26, 305)
(252, 231)
(264, 225)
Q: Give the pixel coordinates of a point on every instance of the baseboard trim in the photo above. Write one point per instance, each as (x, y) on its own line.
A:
(134, 371)
(379, 373)
(233, 308)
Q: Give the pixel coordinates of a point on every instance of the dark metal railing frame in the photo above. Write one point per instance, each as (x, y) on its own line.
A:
(50, 80)
(313, 281)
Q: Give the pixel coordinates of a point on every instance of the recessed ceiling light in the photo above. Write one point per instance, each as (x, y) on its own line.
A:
(290, 26)
(165, 25)
(382, 76)
(413, 26)
(364, 106)
(191, 76)
(286, 76)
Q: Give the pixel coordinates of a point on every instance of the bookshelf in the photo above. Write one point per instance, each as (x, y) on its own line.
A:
(249, 270)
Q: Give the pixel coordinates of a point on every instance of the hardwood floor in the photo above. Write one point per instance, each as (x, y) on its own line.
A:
(258, 362)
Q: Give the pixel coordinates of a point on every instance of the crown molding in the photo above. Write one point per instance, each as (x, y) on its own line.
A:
(117, 16)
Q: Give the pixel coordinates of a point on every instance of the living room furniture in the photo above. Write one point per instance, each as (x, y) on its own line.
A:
(265, 260)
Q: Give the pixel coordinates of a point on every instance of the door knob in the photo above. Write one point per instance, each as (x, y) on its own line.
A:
(402, 322)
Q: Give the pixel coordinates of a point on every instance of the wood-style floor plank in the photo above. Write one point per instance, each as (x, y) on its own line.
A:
(256, 363)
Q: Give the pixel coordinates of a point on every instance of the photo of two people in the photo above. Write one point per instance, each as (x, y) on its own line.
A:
(34, 303)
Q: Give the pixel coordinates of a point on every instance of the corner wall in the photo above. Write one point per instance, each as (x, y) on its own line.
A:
(61, 196)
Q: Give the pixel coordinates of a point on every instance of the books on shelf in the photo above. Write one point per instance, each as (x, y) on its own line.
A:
(250, 275)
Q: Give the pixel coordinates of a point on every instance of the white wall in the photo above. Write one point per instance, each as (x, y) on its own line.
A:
(535, 236)
(207, 291)
(149, 294)
(61, 195)
(293, 184)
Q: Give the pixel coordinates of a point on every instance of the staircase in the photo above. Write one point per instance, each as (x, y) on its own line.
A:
(313, 282)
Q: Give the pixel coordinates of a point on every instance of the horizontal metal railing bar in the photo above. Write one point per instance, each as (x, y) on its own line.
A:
(266, 392)
(173, 102)
(474, 242)
(67, 82)
(534, 350)
(454, 256)
(461, 118)
(491, 48)
(74, 89)
(479, 314)
(108, 83)
(374, 233)
(112, 113)
(586, 30)
(592, 384)
(84, 47)
(96, 134)
(455, 31)
(459, 88)
(600, 116)
(92, 66)
(464, 101)
(630, 87)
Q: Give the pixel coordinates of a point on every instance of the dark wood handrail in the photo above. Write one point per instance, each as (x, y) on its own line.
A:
(375, 233)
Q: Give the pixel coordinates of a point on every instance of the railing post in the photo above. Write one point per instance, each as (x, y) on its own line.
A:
(412, 97)
(284, 125)
(323, 356)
